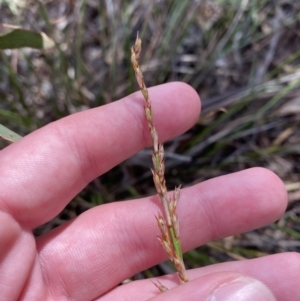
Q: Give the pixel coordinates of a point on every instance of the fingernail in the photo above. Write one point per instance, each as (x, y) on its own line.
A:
(242, 289)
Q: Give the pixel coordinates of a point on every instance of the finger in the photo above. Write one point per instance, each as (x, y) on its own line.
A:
(226, 286)
(278, 272)
(126, 232)
(219, 287)
(13, 274)
(42, 172)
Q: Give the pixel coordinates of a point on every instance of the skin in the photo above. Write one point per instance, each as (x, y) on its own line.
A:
(86, 258)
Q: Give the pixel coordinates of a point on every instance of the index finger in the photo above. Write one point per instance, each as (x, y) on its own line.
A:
(43, 171)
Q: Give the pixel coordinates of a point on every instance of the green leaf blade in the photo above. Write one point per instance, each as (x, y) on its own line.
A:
(19, 38)
(8, 134)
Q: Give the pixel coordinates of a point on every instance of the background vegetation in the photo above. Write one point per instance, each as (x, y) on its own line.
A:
(241, 56)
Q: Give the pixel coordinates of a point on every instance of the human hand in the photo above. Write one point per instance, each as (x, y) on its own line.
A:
(86, 258)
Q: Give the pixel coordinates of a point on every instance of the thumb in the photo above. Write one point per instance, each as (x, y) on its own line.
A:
(220, 287)
(242, 289)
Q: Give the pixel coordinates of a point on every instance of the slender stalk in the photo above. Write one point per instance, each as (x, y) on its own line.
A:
(168, 224)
